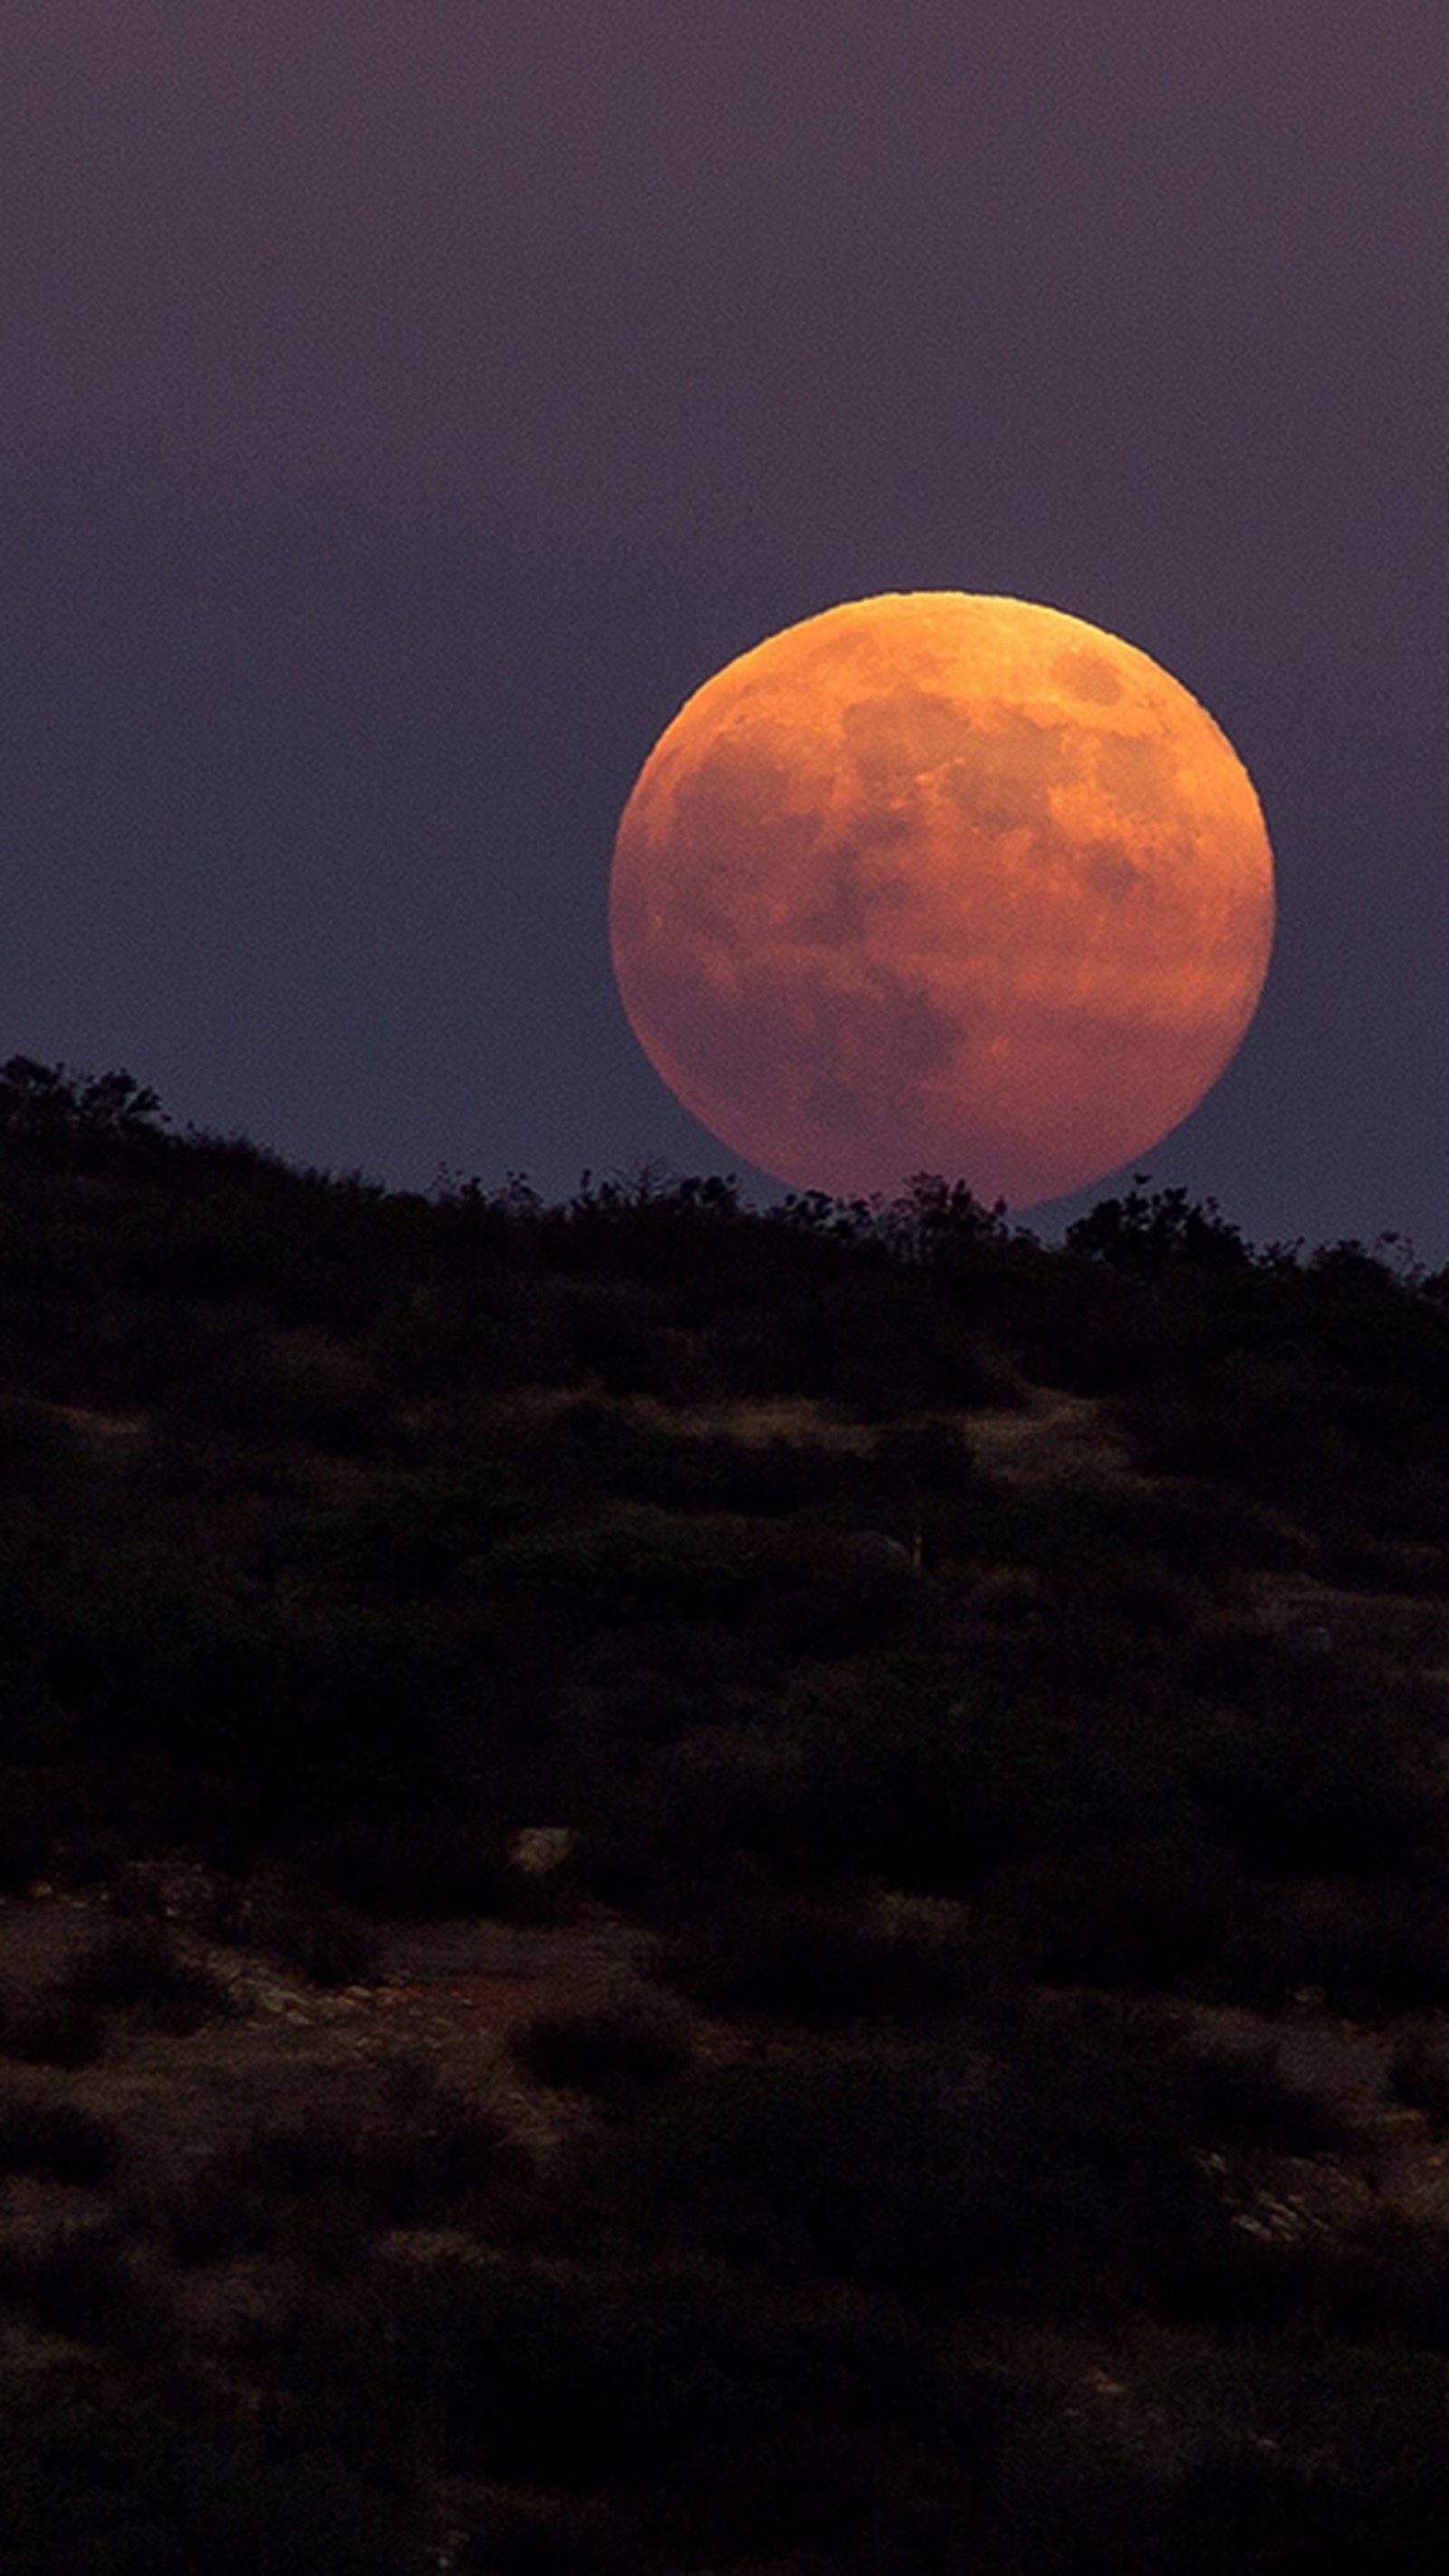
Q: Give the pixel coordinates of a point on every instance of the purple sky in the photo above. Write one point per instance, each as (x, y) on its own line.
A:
(404, 408)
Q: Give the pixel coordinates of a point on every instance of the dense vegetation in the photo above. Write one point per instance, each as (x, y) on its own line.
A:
(989, 1671)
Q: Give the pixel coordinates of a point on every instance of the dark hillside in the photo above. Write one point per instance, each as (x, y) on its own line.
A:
(687, 1889)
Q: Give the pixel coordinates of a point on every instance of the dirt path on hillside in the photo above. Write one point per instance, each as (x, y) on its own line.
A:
(451, 1995)
(428, 1967)
(439, 2005)
(500, 1974)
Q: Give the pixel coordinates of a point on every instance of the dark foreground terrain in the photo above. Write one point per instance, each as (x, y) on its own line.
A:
(692, 1891)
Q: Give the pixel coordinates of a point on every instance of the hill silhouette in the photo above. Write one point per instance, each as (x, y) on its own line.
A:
(686, 1888)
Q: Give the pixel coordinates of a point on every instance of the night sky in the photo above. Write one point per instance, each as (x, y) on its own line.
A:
(405, 407)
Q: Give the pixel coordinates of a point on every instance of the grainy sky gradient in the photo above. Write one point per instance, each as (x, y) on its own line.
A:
(405, 408)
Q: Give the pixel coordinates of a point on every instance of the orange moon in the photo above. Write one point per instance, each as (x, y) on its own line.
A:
(941, 883)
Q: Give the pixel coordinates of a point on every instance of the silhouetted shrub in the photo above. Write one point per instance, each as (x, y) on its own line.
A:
(423, 1533)
(397, 2157)
(32, 1810)
(676, 1835)
(846, 2167)
(606, 2047)
(1317, 1786)
(419, 1861)
(1353, 1560)
(305, 1390)
(1061, 1527)
(1106, 2114)
(58, 1113)
(218, 2208)
(41, 2133)
(1268, 2516)
(615, 1336)
(916, 2175)
(639, 1564)
(648, 2383)
(927, 1777)
(37, 1449)
(601, 1449)
(116, 2487)
(1240, 2097)
(1367, 1951)
(170, 1889)
(826, 1965)
(1143, 1915)
(53, 2028)
(1419, 2076)
(1305, 2458)
(137, 1967)
(302, 1925)
(535, 2532)
(74, 2280)
(1233, 1662)
(872, 1343)
(1150, 1235)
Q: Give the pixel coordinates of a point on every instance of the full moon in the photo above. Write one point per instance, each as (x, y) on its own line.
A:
(941, 883)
